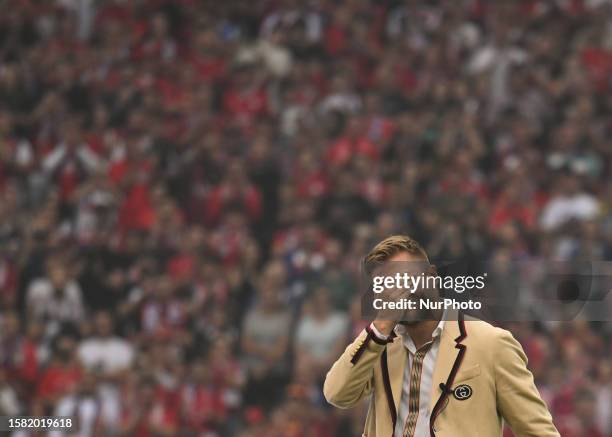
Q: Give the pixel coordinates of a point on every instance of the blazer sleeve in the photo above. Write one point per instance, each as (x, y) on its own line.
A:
(351, 376)
(518, 399)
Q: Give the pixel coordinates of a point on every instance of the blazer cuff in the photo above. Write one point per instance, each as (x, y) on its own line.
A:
(377, 336)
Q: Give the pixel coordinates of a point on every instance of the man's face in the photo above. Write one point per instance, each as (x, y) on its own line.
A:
(65, 349)
(58, 275)
(104, 325)
(413, 267)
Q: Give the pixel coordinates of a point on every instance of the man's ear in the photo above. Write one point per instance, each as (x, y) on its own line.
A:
(432, 270)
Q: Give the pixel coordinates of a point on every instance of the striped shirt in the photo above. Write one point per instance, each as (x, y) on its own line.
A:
(413, 417)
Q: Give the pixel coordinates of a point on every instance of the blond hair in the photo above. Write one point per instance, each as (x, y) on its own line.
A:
(391, 246)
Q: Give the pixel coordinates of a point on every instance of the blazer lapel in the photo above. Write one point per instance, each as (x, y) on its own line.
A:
(392, 363)
(450, 356)
(397, 356)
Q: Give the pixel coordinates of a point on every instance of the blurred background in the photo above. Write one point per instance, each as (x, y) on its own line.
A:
(187, 188)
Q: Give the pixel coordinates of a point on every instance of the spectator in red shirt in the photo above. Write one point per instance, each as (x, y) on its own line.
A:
(202, 399)
(18, 352)
(234, 191)
(147, 413)
(71, 161)
(63, 373)
(207, 56)
(354, 142)
(512, 206)
(246, 100)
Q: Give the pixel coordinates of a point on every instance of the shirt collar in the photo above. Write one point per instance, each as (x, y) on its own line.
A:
(400, 330)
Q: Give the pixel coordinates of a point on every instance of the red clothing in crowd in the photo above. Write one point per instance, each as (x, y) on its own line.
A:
(57, 380)
(345, 148)
(314, 184)
(160, 415)
(249, 199)
(136, 212)
(8, 281)
(245, 105)
(598, 63)
(203, 405)
(21, 361)
(182, 266)
(209, 69)
(504, 212)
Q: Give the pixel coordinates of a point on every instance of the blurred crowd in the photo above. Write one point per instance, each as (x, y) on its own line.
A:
(187, 189)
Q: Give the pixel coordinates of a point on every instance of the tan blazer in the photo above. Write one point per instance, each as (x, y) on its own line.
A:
(488, 360)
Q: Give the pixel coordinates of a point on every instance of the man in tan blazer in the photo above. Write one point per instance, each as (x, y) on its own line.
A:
(451, 376)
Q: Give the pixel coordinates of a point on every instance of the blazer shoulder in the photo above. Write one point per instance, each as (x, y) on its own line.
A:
(484, 334)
